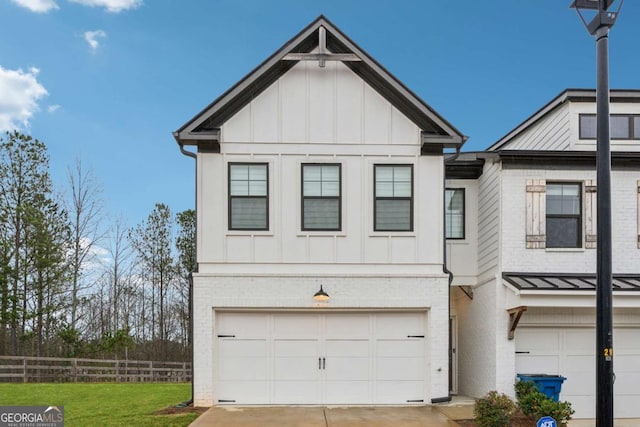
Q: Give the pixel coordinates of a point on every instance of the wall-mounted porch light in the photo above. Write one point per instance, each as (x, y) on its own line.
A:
(321, 295)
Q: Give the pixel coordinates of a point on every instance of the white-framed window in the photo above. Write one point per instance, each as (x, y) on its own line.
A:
(321, 197)
(621, 126)
(393, 197)
(248, 196)
(454, 213)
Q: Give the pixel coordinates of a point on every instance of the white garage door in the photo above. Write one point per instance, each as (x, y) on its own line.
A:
(320, 358)
(570, 352)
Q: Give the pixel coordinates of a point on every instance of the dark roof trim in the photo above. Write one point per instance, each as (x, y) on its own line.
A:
(514, 159)
(569, 282)
(464, 169)
(574, 95)
(239, 95)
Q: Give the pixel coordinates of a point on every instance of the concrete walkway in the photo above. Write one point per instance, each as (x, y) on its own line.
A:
(321, 416)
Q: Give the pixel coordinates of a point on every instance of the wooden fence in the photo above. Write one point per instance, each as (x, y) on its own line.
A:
(55, 369)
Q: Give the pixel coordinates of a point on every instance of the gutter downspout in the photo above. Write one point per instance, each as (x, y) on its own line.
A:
(195, 157)
(444, 264)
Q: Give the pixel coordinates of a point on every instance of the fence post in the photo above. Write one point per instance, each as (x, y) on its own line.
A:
(75, 370)
(24, 370)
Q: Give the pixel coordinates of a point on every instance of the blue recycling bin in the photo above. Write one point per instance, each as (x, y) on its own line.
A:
(549, 385)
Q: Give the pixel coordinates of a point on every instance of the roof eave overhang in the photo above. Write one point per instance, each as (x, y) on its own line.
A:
(573, 95)
(566, 159)
(209, 140)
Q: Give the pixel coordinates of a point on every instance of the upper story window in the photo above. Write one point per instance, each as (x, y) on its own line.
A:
(564, 215)
(393, 198)
(622, 126)
(248, 196)
(454, 213)
(321, 197)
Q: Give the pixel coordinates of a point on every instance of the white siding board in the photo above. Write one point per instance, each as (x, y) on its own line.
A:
(550, 133)
(265, 115)
(402, 130)
(294, 104)
(349, 107)
(321, 249)
(489, 220)
(321, 101)
(377, 116)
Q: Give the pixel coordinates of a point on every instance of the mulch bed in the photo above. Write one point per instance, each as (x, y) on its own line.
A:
(519, 420)
(174, 410)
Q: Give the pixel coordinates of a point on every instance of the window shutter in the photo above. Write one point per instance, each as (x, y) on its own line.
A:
(536, 214)
(638, 214)
(590, 197)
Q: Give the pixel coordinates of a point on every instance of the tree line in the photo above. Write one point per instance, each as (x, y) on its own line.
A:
(74, 284)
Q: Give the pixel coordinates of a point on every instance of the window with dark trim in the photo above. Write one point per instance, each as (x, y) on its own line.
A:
(393, 198)
(622, 126)
(454, 213)
(564, 215)
(321, 197)
(248, 196)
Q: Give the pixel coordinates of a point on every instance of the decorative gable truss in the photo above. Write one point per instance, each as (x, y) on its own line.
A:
(536, 214)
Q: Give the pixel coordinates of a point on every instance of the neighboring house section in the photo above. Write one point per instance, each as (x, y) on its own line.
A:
(320, 171)
(532, 307)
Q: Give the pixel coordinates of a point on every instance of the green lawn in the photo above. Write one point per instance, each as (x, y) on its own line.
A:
(104, 404)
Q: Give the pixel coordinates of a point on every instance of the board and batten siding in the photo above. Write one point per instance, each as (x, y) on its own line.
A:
(309, 104)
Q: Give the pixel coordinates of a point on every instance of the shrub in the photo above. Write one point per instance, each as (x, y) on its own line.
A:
(536, 405)
(494, 410)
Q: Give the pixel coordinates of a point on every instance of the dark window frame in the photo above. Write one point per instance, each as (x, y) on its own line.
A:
(579, 216)
(231, 197)
(464, 214)
(630, 117)
(376, 198)
(303, 197)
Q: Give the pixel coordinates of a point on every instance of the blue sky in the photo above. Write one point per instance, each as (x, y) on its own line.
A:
(107, 81)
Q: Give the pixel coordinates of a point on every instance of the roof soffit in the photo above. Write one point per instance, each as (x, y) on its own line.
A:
(267, 73)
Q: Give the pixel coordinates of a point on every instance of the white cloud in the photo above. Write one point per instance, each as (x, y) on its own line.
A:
(53, 108)
(92, 38)
(114, 6)
(39, 6)
(19, 95)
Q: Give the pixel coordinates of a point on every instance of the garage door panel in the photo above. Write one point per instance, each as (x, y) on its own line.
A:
(575, 359)
(296, 325)
(399, 325)
(347, 392)
(399, 348)
(243, 369)
(236, 348)
(243, 325)
(399, 392)
(347, 326)
(320, 358)
(399, 368)
(296, 392)
(296, 348)
(347, 368)
(243, 392)
(296, 368)
(350, 348)
(537, 364)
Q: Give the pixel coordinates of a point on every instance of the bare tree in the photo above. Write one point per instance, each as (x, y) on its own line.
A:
(85, 212)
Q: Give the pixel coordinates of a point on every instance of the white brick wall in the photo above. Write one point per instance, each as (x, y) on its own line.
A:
(281, 293)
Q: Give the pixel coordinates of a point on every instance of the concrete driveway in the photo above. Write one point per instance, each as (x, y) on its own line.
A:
(320, 416)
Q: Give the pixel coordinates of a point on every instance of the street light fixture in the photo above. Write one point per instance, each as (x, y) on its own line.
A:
(599, 27)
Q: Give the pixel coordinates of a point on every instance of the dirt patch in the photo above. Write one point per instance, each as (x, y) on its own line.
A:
(174, 410)
(517, 421)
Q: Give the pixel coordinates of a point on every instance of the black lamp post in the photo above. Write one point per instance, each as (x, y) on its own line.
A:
(599, 27)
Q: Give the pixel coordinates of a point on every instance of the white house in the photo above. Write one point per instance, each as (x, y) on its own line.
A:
(521, 245)
(319, 170)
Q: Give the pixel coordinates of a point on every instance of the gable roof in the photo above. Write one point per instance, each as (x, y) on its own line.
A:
(205, 126)
(573, 95)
